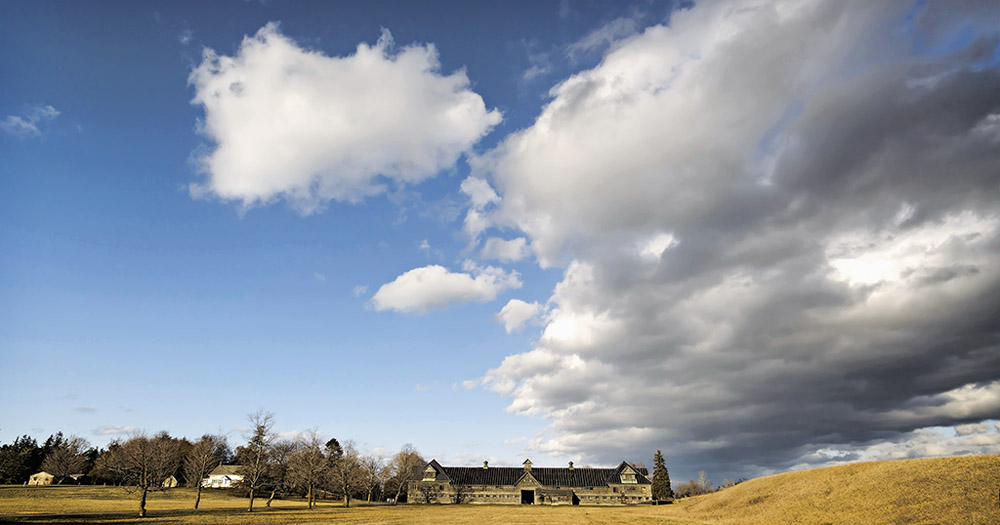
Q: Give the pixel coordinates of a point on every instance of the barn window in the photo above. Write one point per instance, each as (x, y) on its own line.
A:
(430, 474)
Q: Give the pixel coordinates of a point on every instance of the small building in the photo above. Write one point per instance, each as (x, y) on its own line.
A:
(528, 485)
(41, 478)
(222, 477)
(170, 482)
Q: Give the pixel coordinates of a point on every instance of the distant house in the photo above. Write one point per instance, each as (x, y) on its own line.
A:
(170, 482)
(621, 485)
(223, 476)
(42, 478)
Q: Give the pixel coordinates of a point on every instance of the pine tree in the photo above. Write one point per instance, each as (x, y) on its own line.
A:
(661, 479)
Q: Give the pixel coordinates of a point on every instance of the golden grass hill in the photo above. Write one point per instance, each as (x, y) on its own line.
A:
(527, 485)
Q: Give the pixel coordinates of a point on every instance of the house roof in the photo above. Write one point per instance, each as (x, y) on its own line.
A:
(225, 470)
(547, 476)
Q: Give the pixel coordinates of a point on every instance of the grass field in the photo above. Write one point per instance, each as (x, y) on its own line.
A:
(960, 490)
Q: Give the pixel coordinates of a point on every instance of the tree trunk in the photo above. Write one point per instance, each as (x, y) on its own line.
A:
(347, 500)
(399, 490)
(250, 508)
(309, 496)
(198, 499)
(142, 503)
(270, 499)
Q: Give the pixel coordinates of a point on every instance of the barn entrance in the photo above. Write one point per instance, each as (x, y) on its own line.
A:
(527, 497)
(576, 499)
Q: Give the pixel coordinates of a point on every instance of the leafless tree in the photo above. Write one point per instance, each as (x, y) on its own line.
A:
(203, 456)
(277, 469)
(462, 493)
(142, 463)
(372, 471)
(402, 467)
(254, 456)
(67, 458)
(345, 473)
(429, 491)
(704, 482)
(308, 465)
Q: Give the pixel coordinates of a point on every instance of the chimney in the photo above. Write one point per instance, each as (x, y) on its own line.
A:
(571, 465)
(486, 465)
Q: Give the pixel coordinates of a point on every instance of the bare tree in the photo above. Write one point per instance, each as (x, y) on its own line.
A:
(67, 458)
(254, 456)
(142, 463)
(462, 493)
(402, 468)
(429, 491)
(277, 468)
(203, 456)
(346, 473)
(308, 465)
(704, 482)
(372, 471)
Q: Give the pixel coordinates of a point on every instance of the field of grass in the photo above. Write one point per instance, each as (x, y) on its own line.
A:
(959, 490)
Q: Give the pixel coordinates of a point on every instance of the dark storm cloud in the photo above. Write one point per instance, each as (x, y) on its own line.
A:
(833, 281)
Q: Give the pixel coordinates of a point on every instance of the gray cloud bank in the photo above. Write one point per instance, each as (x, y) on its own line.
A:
(827, 175)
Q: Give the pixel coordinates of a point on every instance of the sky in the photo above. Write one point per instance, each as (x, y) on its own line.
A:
(756, 235)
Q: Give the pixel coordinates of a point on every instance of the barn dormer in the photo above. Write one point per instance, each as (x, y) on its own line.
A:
(527, 465)
(628, 475)
(430, 474)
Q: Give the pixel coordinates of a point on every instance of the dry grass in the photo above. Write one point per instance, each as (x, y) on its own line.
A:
(961, 490)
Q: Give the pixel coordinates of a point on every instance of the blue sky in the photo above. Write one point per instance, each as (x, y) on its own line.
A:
(688, 206)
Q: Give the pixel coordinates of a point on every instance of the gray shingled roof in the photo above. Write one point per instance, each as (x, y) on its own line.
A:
(547, 476)
(225, 470)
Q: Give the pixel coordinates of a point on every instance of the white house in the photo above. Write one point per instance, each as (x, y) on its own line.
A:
(223, 476)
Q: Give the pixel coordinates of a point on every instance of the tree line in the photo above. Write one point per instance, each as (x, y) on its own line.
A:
(270, 467)
(306, 466)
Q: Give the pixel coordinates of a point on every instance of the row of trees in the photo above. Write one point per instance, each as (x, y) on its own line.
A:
(58, 455)
(306, 466)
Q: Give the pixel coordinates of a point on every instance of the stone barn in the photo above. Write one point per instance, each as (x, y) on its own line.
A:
(529, 485)
(41, 478)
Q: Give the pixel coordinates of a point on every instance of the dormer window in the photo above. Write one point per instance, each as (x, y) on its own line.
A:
(430, 474)
(628, 475)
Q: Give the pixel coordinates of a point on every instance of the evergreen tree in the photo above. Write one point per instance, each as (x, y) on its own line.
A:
(661, 479)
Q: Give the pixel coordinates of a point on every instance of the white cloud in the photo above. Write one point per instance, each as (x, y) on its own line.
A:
(319, 277)
(603, 36)
(818, 284)
(112, 430)
(185, 37)
(434, 287)
(504, 250)
(425, 246)
(480, 193)
(971, 428)
(28, 124)
(360, 290)
(516, 313)
(652, 248)
(293, 123)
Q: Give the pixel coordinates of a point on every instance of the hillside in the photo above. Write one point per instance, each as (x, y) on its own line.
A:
(960, 490)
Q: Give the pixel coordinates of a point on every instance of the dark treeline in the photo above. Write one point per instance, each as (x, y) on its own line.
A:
(270, 467)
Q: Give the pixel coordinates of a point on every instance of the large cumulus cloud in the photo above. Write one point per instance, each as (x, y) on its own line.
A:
(293, 123)
(780, 228)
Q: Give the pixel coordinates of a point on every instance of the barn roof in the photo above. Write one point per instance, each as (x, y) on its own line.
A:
(547, 476)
